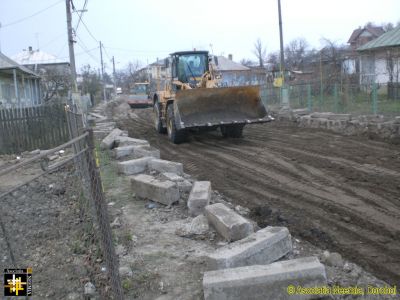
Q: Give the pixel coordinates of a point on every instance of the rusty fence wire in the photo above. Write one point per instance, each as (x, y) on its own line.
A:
(54, 219)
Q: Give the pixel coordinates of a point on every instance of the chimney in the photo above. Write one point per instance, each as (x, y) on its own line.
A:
(230, 56)
(30, 48)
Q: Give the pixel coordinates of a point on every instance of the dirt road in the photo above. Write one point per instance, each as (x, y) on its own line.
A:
(340, 193)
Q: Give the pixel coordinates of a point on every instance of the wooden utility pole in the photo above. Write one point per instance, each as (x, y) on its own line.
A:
(282, 64)
(115, 81)
(285, 101)
(102, 72)
(71, 46)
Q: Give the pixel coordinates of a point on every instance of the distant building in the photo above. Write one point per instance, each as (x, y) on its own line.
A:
(55, 73)
(380, 59)
(235, 74)
(361, 36)
(19, 86)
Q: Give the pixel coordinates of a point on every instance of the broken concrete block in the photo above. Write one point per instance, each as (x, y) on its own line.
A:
(97, 115)
(144, 150)
(53, 157)
(228, 223)
(123, 151)
(265, 282)
(300, 111)
(262, 247)
(172, 176)
(184, 186)
(146, 186)
(162, 166)
(199, 225)
(105, 124)
(343, 117)
(128, 141)
(133, 166)
(109, 140)
(199, 197)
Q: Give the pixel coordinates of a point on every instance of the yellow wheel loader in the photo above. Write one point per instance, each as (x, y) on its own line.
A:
(191, 99)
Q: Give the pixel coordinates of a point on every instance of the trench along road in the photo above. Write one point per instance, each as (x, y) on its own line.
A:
(339, 193)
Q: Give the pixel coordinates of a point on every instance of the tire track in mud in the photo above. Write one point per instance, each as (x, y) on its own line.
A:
(289, 171)
(275, 160)
(348, 235)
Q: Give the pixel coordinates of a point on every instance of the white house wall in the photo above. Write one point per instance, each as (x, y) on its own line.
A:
(373, 68)
(381, 73)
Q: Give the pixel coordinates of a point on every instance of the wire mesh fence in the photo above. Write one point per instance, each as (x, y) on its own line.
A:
(54, 220)
(357, 99)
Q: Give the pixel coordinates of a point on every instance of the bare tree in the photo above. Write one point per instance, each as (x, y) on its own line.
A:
(393, 69)
(387, 26)
(247, 62)
(331, 61)
(55, 82)
(260, 52)
(295, 52)
(393, 64)
(126, 77)
(91, 81)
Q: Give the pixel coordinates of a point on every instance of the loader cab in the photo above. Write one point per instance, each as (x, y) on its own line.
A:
(189, 66)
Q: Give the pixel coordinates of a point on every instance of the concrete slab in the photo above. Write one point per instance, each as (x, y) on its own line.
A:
(105, 124)
(199, 197)
(123, 151)
(265, 282)
(146, 186)
(184, 186)
(163, 166)
(300, 111)
(109, 140)
(144, 150)
(97, 115)
(172, 176)
(227, 222)
(331, 116)
(133, 166)
(128, 141)
(262, 247)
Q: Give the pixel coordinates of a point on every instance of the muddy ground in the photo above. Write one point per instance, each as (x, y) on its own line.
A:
(47, 225)
(337, 192)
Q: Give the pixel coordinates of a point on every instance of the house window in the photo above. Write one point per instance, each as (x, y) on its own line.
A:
(7, 92)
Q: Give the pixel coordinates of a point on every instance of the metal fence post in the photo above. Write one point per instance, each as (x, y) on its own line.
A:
(321, 96)
(97, 195)
(335, 96)
(374, 99)
(309, 99)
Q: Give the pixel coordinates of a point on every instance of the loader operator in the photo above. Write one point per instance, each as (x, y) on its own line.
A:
(190, 67)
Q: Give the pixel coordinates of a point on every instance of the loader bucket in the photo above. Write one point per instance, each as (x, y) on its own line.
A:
(219, 106)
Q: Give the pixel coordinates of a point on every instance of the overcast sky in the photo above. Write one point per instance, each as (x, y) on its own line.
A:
(144, 30)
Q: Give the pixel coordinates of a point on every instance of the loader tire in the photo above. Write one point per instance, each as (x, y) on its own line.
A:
(232, 131)
(157, 119)
(175, 135)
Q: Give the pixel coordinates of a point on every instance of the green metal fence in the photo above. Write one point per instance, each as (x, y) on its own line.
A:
(337, 98)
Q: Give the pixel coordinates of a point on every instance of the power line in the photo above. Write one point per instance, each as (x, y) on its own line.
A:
(139, 51)
(80, 53)
(89, 31)
(105, 51)
(83, 46)
(61, 50)
(53, 40)
(35, 14)
(80, 15)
